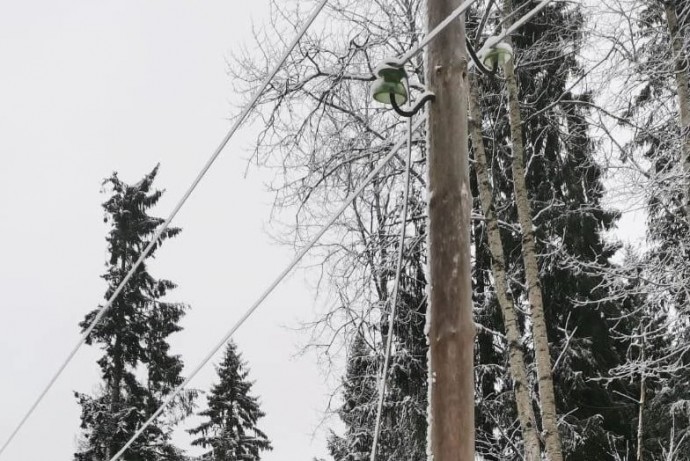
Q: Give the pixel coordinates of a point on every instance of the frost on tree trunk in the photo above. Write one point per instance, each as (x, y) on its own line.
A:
(541, 341)
(683, 89)
(516, 357)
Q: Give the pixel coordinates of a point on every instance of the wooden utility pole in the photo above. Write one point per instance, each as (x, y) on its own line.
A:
(451, 332)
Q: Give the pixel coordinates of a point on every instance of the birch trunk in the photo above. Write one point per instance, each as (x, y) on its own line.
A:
(640, 425)
(683, 90)
(549, 417)
(516, 357)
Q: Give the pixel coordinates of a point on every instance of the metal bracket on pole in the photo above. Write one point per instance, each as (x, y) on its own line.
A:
(427, 96)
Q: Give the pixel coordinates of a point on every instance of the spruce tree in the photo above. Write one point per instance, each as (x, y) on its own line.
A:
(137, 368)
(403, 431)
(230, 429)
(358, 411)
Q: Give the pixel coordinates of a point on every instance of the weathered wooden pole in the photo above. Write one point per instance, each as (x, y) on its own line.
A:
(451, 327)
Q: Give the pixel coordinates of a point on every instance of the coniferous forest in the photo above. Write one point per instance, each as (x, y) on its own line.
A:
(582, 347)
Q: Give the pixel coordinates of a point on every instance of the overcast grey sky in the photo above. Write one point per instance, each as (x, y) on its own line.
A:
(89, 87)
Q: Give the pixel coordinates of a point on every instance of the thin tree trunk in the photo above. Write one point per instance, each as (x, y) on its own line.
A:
(115, 392)
(552, 440)
(683, 89)
(116, 378)
(516, 357)
(452, 330)
(643, 391)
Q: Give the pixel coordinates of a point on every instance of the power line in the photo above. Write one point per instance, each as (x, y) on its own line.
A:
(519, 23)
(268, 290)
(457, 12)
(437, 30)
(243, 115)
(394, 297)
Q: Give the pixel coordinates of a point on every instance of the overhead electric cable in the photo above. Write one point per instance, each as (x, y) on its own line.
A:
(269, 290)
(243, 115)
(437, 30)
(477, 62)
(519, 23)
(485, 18)
(394, 296)
(457, 12)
